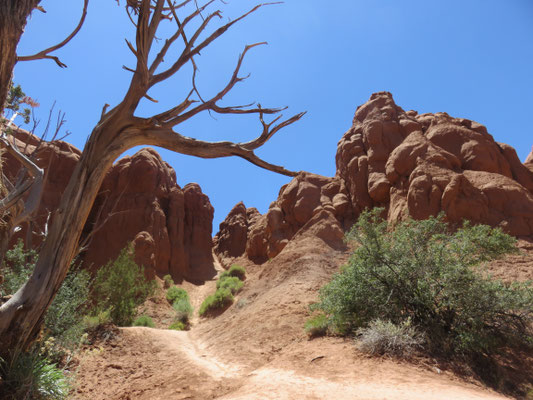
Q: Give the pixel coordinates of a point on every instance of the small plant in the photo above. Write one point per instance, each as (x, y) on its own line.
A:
(236, 271)
(183, 310)
(167, 281)
(64, 318)
(31, 376)
(221, 299)
(232, 283)
(175, 293)
(317, 325)
(177, 326)
(384, 337)
(92, 322)
(120, 286)
(19, 264)
(424, 273)
(144, 320)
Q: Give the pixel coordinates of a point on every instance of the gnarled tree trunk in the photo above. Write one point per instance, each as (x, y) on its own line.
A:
(119, 130)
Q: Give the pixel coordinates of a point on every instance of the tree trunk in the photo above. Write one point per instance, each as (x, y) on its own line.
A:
(13, 16)
(21, 317)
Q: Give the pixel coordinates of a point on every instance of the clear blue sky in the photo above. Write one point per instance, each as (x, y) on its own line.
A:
(471, 59)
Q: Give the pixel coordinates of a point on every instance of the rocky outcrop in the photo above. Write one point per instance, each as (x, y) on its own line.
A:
(306, 198)
(140, 202)
(418, 165)
(529, 161)
(411, 164)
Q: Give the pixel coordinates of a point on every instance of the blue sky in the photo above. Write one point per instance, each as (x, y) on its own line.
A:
(471, 59)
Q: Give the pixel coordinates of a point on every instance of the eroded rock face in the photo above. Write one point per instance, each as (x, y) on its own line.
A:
(419, 165)
(140, 202)
(305, 197)
(529, 161)
(410, 164)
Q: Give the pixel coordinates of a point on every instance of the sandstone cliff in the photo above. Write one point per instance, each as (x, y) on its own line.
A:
(412, 165)
(139, 202)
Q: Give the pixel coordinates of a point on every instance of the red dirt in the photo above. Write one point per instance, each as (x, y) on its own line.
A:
(257, 349)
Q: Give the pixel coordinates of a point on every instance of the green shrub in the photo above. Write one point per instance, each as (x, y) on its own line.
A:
(317, 325)
(183, 310)
(219, 300)
(64, 318)
(120, 286)
(384, 337)
(18, 266)
(92, 322)
(144, 320)
(167, 281)
(31, 376)
(178, 326)
(232, 283)
(236, 271)
(423, 273)
(175, 293)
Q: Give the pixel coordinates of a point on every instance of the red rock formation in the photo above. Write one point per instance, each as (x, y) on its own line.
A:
(410, 164)
(419, 165)
(299, 202)
(529, 161)
(139, 202)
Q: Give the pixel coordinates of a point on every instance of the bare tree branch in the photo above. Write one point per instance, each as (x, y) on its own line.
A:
(44, 54)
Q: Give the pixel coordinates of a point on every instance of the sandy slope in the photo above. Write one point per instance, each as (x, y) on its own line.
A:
(157, 364)
(257, 348)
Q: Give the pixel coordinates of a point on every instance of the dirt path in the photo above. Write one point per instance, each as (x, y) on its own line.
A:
(159, 364)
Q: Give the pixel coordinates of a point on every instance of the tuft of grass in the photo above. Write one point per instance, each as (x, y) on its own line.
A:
(178, 326)
(183, 310)
(144, 320)
(221, 299)
(236, 271)
(31, 375)
(232, 283)
(317, 325)
(175, 293)
(167, 281)
(92, 322)
(384, 337)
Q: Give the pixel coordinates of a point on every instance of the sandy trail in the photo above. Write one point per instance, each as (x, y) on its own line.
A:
(196, 372)
(159, 364)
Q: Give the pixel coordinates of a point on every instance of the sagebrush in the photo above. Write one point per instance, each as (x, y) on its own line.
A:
(425, 272)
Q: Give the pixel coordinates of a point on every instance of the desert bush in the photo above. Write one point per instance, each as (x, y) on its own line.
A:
(94, 321)
(167, 281)
(384, 337)
(423, 272)
(64, 318)
(317, 325)
(144, 320)
(232, 283)
(217, 301)
(175, 293)
(121, 286)
(236, 271)
(183, 310)
(178, 326)
(30, 375)
(17, 268)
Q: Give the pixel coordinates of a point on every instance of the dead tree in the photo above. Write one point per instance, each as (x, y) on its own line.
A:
(20, 198)
(119, 129)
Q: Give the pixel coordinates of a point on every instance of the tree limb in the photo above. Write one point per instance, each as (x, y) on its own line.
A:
(44, 54)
